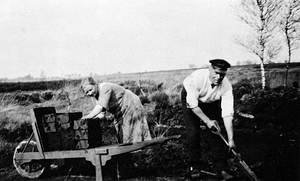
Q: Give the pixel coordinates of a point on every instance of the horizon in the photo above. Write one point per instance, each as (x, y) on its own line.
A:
(70, 77)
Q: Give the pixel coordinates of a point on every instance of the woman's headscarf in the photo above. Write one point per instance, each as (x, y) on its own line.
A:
(87, 81)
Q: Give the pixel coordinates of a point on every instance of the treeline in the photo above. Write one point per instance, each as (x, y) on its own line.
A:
(270, 65)
(39, 85)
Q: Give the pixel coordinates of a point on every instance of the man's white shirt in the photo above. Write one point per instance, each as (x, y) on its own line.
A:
(198, 88)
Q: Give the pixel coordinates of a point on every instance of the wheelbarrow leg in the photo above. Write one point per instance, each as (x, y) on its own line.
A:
(98, 167)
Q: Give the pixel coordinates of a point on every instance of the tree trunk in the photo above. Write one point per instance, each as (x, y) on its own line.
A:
(286, 73)
(263, 78)
(289, 59)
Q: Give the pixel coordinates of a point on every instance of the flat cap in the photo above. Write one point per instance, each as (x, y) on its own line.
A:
(220, 63)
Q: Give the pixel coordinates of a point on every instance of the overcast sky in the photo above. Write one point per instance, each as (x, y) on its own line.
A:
(60, 37)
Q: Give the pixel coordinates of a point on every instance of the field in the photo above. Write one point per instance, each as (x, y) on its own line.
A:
(269, 142)
(275, 75)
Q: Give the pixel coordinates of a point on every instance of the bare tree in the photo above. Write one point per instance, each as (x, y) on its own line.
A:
(290, 25)
(261, 16)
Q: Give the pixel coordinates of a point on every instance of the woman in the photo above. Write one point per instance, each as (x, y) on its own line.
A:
(131, 123)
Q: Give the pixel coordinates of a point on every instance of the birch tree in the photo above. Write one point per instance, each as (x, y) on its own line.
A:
(261, 17)
(290, 26)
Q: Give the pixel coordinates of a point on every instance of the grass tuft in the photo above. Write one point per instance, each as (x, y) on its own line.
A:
(6, 152)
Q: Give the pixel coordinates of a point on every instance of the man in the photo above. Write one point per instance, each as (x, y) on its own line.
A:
(207, 98)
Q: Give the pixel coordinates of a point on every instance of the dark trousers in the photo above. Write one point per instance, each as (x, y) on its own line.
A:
(202, 145)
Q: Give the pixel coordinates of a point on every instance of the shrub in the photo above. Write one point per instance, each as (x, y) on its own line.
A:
(276, 106)
(14, 132)
(22, 99)
(148, 86)
(47, 95)
(144, 99)
(160, 98)
(62, 96)
(35, 98)
(245, 86)
(38, 85)
(6, 152)
(175, 99)
(175, 94)
(140, 88)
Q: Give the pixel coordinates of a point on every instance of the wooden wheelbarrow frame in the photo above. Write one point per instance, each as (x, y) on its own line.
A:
(97, 156)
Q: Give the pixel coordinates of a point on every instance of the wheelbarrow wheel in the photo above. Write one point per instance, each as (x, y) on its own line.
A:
(29, 169)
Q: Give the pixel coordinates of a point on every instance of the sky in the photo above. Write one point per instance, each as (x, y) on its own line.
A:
(57, 38)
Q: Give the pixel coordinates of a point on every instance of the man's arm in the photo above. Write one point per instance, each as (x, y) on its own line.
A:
(210, 123)
(229, 129)
(228, 111)
(192, 84)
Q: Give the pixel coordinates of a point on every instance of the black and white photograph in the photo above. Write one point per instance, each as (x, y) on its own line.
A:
(149, 90)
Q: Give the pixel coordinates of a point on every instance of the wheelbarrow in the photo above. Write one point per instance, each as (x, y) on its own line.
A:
(32, 155)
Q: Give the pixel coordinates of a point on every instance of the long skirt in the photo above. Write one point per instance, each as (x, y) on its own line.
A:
(132, 125)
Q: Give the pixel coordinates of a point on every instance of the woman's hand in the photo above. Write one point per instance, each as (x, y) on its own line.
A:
(83, 117)
(83, 120)
(101, 115)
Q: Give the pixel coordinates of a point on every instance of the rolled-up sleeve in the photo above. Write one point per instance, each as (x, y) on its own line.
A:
(192, 95)
(104, 96)
(227, 102)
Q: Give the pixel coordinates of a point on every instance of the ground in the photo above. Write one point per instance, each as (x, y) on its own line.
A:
(269, 143)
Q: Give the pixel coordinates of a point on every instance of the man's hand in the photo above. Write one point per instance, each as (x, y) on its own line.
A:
(213, 124)
(231, 144)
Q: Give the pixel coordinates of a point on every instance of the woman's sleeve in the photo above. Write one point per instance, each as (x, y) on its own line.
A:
(104, 96)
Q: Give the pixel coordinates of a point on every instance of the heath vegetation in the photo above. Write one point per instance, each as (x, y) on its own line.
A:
(266, 124)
